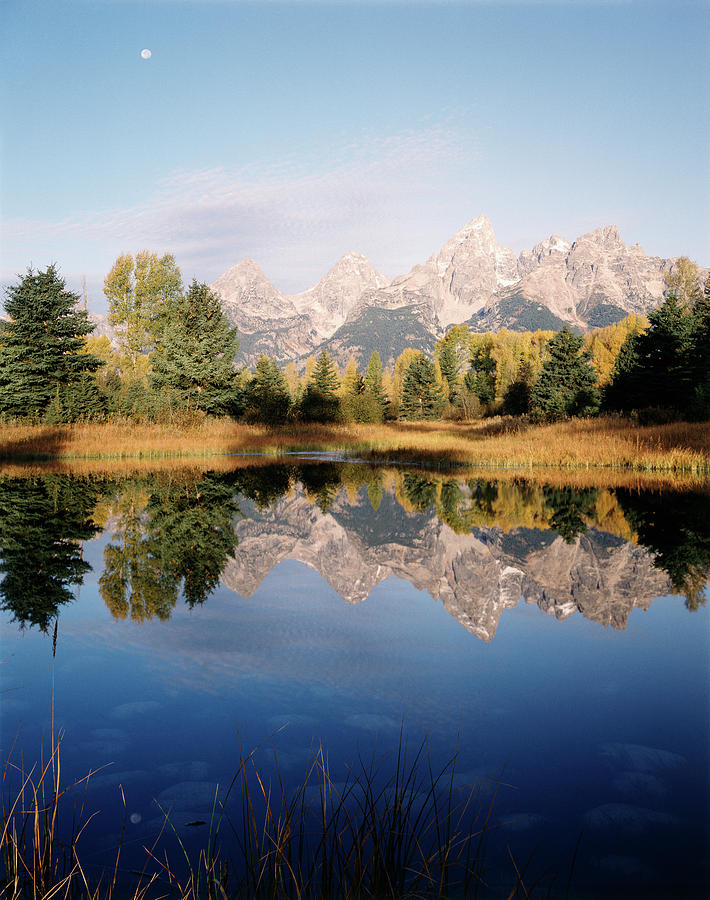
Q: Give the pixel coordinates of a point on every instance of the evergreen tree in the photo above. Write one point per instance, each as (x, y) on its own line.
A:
(675, 528)
(446, 357)
(192, 525)
(320, 401)
(699, 362)
(419, 491)
(653, 367)
(568, 509)
(193, 362)
(267, 396)
(373, 380)
(325, 376)
(42, 358)
(422, 397)
(375, 389)
(567, 385)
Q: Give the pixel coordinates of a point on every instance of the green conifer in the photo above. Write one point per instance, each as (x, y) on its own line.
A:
(193, 362)
(267, 396)
(567, 385)
(41, 347)
(422, 397)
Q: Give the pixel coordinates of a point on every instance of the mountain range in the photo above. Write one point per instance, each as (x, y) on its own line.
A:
(586, 283)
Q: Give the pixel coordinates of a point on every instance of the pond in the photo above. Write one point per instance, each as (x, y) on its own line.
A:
(545, 647)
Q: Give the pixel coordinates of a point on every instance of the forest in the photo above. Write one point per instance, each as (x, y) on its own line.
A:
(174, 362)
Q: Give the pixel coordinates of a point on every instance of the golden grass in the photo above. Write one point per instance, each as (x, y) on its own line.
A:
(611, 444)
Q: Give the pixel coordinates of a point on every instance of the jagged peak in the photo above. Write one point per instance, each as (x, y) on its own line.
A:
(476, 236)
(555, 243)
(479, 226)
(478, 223)
(609, 235)
(249, 266)
(350, 259)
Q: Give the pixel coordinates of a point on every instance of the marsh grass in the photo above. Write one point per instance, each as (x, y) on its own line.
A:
(398, 826)
(506, 443)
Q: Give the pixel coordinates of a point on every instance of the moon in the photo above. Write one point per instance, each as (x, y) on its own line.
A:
(146, 54)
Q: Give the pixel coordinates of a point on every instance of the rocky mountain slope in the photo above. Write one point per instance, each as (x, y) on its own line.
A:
(586, 283)
(476, 576)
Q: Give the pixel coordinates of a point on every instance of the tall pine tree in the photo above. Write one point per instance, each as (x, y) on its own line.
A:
(267, 396)
(320, 402)
(567, 385)
(422, 395)
(193, 362)
(42, 358)
(654, 367)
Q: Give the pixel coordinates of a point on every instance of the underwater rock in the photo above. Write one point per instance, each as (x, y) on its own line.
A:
(641, 758)
(639, 784)
(627, 818)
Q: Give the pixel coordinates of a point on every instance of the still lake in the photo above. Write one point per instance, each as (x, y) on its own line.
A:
(557, 638)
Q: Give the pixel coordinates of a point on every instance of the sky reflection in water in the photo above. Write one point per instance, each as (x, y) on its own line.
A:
(213, 606)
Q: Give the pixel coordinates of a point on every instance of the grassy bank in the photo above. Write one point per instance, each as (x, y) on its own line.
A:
(603, 443)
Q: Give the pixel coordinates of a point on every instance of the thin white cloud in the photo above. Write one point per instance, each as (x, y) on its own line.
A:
(295, 217)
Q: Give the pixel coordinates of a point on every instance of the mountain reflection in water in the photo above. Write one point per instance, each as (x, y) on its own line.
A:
(477, 545)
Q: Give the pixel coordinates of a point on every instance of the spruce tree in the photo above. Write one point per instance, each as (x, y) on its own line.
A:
(267, 396)
(422, 397)
(654, 367)
(41, 350)
(567, 385)
(374, 386)
(320, 402)
(193, 362)
(699, 362)
(325, 375)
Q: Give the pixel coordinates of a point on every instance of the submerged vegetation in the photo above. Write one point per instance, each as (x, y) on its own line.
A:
(398, 826)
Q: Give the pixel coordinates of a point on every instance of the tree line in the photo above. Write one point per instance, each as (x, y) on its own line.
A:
(174, 361)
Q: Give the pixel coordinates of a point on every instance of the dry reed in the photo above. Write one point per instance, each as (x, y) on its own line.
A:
(602, 443)
(398, 827)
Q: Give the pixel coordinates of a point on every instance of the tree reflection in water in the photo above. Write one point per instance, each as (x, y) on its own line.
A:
(181, 533)
(676, 529)
(174, 534)
(42, 524)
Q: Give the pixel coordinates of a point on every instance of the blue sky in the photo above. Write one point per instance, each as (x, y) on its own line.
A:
(295, 132)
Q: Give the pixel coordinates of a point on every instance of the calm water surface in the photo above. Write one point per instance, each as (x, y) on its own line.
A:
(557, 637)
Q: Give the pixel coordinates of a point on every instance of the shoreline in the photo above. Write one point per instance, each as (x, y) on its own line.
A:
(601, 445)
